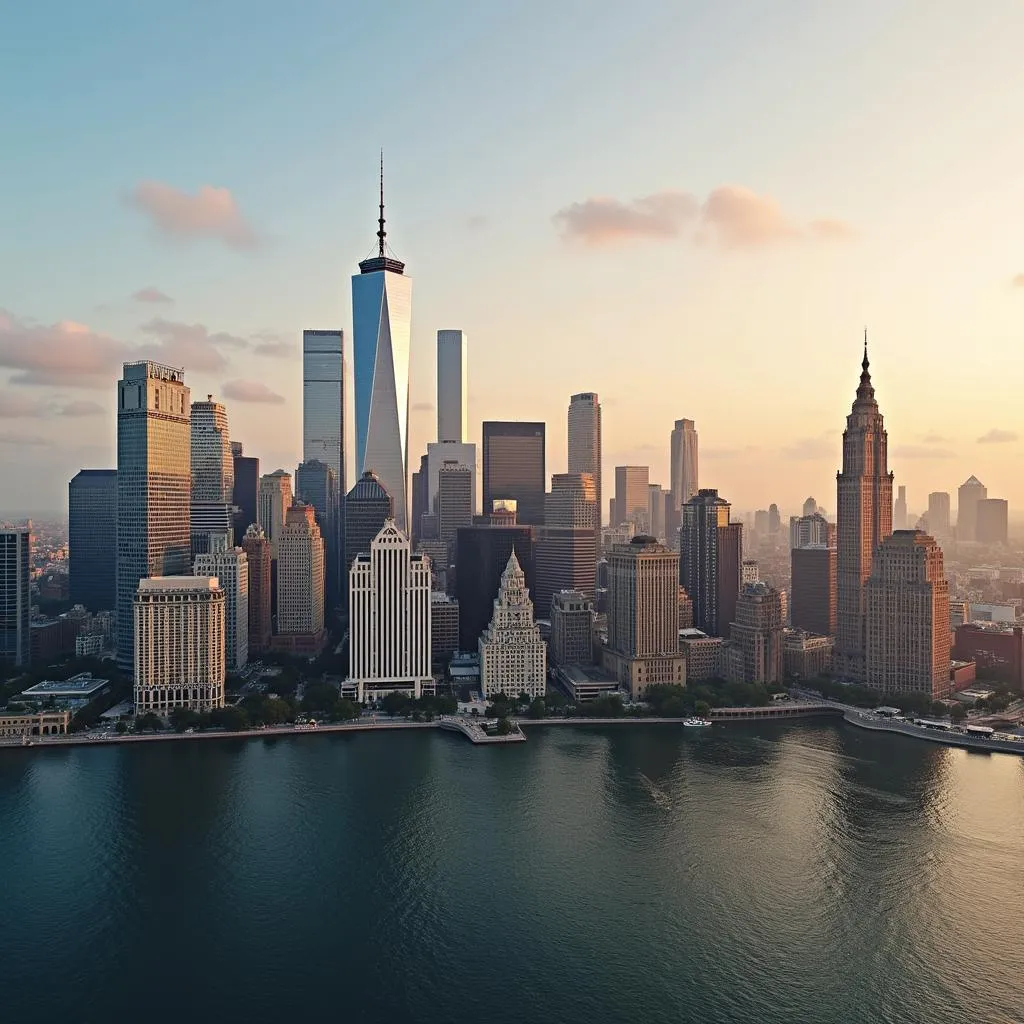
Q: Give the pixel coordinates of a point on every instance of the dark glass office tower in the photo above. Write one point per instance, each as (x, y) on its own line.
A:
(15, 601)
(247, 485)
(514, 468)
(710, 557)
(367, 505)
(92, 538)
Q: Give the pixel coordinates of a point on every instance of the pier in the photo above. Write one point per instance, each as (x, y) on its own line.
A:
(474, 729)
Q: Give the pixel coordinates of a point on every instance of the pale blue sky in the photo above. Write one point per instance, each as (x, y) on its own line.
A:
(898, 120)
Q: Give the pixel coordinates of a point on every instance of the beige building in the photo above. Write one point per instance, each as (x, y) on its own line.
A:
(585, 441)
(643, 616)
(908, 634)
(300, 575)
(701, 653)
(33, 723)
(757, 631)
(274, 498)
(806, 655)
(180, 659)
(632, 496)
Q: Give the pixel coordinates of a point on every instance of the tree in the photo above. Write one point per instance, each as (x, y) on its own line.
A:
(345, 710)
(958, 714)
(537, 708)
(504, 727)
(121, 728)
(183, 718)
(702, 708)
(396, 704)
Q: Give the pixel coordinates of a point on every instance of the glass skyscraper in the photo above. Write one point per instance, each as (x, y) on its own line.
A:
(381, 312)
(153, 486)
(323, 401)
(92, 538)
(15, 599)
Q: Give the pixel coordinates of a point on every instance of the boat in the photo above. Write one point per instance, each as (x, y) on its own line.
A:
(697, 723)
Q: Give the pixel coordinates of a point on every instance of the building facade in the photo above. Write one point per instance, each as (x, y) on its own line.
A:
(757, 631)
(812, 529)
(316, 485)
(907, 605)
(300, 579)
(444, 627)
(179, 644)
(513, 468)
(323, 403)
(632, 497)
(153, 486)
(231, 568)
(454, 508)
(683, 453)
(513, 657)
(806, 655)
(710, 560)
(572, 628)
(566, 545)
(275, 498)
(245, 496)
(585, 441)
(389, 621)
(15, 596)
(452, 386)
(938, 514)
(968, 494)
(991, 521)
(864, 496)
(814, 574)
(368, 506)
(212, 461)
(258, 562)
(92, 538)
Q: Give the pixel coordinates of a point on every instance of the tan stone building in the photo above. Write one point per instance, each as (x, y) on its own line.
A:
(757, 631)
(907, 604)
(806, 655)
(701, 653)
(34, 723)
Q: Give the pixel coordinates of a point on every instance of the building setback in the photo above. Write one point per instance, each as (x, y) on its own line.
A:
(92, 538)
(513, 467)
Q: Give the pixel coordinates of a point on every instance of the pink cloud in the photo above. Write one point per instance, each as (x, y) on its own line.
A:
(251, 391)
(603, 221)
(210, 213)
(153, 295)
(1018, 281)
(189, 345)
(743, 219)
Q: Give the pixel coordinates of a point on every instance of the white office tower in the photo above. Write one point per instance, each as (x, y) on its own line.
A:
(381, 321)
(273, 500)
(179, 644)
(389, 618)
(684, 462)
(452, 387)
(513, 657)
(231, 567)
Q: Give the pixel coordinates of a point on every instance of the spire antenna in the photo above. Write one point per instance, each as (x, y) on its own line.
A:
(381, 233)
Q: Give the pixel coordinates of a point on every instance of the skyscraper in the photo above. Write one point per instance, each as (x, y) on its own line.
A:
(684, 462)
(513, 657)
(814, 582)
(452, 387)
(389, 618)
(572, 628)
(907, 616)
(810, 529)
(257, 556)
(92, 538)
(643, 616)
(864, 496)
(757, 631)
(179, 627)
(300, 583)
(566, 545)
(585, 441)
(632, 497)
(656, 511)
(323, 401)
(454, 503)
(938, 514)
(899, 511)
(381, 313)
(710, 561)
(991, 521)
(15, 597)
(368, 506)
(275, 498)
(316, 484)
(247, 486)
(969, 493)
(231, 567)
(153, 486)
(514, 467)
(212, 460)
(442, 453)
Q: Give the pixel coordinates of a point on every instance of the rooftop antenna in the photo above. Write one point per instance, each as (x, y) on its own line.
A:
(381, 233)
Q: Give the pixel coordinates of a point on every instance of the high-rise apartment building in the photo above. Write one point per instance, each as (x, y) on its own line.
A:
(514, 468)
(245, 497)
(368, 506)
(275, 498)
(179, 630)
(316, 484)
(231, 568)
(258, 561)
(757, 631)
(684, 462)
(810, 529)
(513, 657)
(153, 486)
(899, 510)
(566, 545)
(389, 618)
(907, 610)
(300, 581)
(710, 561)
(452, 387)
(482, 552)
(572, 628)
(991, 521)
(323, 403)
(585, 441)
(968, 494)
(632, 496)
(864, 496)
(814, 588)
(938, 514)
(643, 616)
(15, 597)
(381, 319)
(92, 539)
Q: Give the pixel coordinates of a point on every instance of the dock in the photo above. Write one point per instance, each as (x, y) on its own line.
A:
(474, 729)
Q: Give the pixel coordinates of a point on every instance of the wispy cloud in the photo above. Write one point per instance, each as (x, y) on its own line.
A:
(731, 216)
(1018, 281)
(13, 406)
(936, 439)
(18, 438)
(997, 436)
(81, 408)
(920, 451)
(810, 448)
(152, 295)
(251, 391)
(189, 345)
(210, 213)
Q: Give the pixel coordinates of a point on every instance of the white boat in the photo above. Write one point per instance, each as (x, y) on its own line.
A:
(696, 723)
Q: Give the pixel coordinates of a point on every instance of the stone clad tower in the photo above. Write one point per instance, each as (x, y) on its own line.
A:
(864, 503)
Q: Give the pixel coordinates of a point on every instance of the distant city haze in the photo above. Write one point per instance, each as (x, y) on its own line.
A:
(622, 221)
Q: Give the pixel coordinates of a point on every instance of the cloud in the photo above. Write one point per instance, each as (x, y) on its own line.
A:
(210, 213)
(81, 408)
(729, 453)
(603, 221)
(189, 345)
(810, 448)
(14, 406)
(731, 216)
(422, 407)
(18, 438)
(152, 294)
(918, 451)
(251, 391)
(936, 439)
(267, 344)
(1018, 281)
(997, 436)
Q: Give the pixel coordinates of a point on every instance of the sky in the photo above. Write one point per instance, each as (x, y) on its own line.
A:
(692, 208)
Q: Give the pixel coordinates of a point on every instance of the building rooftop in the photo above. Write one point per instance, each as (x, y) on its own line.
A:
(693, 634)
(165, 583)
(82, 685)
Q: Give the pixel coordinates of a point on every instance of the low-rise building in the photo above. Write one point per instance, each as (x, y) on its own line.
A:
(33, 723)
(77, 690)
(585, 682)
(700, 653)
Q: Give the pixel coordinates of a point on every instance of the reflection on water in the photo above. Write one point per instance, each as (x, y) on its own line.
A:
(800, 873)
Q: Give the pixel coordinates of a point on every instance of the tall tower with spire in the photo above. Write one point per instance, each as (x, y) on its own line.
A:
(381, 321)
(864, 514)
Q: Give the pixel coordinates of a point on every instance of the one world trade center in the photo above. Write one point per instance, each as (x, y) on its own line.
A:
(381, 311)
